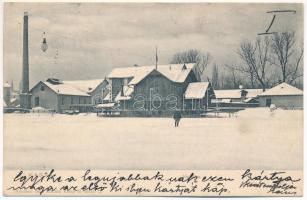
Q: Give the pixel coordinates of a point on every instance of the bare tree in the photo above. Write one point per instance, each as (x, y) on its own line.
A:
(256, 59)
(231, 79)
(189, 56)
(193, 56)
(215, 77)
(234, 79)
(283, 49)
(202, 61)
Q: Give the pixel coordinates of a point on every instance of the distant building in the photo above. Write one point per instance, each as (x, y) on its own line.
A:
(10, 97)
(282, 95)
(158, 90)
(61, 96)
(7, 94)
(237, 96)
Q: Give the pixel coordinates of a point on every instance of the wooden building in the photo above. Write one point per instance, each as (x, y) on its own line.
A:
(7, 94)
(236, 98)
(63, 96)
(198, 95)
(282, 96)
(237, 95)
(151, 89)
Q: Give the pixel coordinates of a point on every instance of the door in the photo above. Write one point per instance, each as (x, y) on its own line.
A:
(268, 102)
(36, 101)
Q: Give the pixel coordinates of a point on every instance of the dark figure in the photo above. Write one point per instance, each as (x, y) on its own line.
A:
(177, 117)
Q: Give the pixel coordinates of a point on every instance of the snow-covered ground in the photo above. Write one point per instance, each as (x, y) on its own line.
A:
(255, 138)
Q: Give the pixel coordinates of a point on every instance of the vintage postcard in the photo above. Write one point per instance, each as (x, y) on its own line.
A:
(153, 99)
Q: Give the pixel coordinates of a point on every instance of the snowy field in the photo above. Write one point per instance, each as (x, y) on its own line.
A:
(254, 139)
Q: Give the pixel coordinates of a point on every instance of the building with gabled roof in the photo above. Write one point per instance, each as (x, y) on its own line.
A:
(174, 72)
(153, 89)
(282, 95)
(7, 94)
(198, 95)
(62, 96)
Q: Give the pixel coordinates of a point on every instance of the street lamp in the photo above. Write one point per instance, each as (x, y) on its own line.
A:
(44, 46)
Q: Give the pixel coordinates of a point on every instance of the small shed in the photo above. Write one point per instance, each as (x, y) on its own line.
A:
(236, 95)
(198, 95)
(283, 96)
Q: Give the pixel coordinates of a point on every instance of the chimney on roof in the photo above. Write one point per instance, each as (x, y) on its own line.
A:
(243, 92)
(54, 81)
(184, 67)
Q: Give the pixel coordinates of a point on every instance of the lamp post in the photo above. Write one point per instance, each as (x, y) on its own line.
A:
(44, 46)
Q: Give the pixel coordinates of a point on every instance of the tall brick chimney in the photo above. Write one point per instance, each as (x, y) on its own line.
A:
(25, 98)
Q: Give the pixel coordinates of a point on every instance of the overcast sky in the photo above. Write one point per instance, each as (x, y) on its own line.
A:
(93, 38)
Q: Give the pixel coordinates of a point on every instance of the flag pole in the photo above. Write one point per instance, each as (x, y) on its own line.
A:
(156, 58)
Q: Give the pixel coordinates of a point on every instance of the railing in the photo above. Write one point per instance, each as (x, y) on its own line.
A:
(12, 109)
(160, 113)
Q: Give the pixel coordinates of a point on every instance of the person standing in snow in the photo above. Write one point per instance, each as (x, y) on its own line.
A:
(177, 117)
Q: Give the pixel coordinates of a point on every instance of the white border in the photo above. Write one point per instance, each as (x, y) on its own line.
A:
(180, 1)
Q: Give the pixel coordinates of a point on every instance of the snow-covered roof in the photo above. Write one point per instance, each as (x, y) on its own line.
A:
(107, 97)
(6, 85)
(85, 85)
(66, 89)
(282, 89)
(221, 100)
(105, 105)
(174, 72)
(121, 98)
(196, 90)
(248, 100)
(236, 93)
(13, 100)
(128, 90)
(75, 87)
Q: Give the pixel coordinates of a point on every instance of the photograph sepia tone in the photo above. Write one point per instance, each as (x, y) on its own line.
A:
(153, 99)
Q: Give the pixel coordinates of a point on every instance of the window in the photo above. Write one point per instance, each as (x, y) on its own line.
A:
(268, 102)
(36, 101)
(62, 100)
(71, 100)
(42, 88)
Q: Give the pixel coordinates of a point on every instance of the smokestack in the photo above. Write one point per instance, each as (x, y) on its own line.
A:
(25, 60)
(25, 96)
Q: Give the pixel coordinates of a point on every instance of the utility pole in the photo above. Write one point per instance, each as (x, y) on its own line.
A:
(156, 58)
